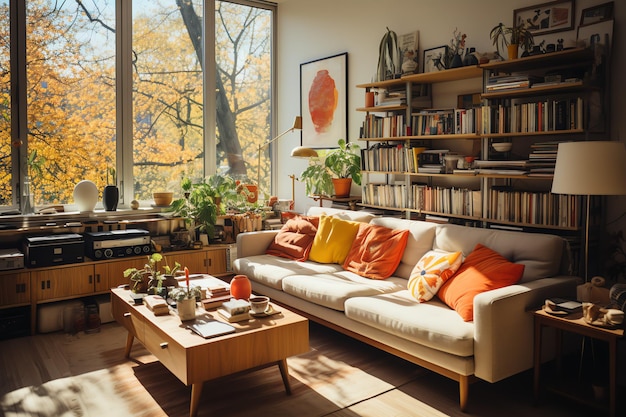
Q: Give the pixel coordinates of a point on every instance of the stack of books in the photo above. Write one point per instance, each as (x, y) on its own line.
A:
(216, 296)
(157, 305)
(542, 159)
(508, 82)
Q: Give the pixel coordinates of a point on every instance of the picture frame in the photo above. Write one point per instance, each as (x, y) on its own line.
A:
(596, 14)
(434, 59)
(324, 101)
(596, 33)
(409, 46)
(540, 19)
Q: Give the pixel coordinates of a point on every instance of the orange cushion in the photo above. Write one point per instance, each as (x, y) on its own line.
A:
(484, 269)
(376, 251)
(295, 238)
(333, 240)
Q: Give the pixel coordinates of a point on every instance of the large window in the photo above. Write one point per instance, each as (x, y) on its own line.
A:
(100, 106)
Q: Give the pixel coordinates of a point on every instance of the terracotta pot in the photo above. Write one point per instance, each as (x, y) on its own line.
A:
(254, 196)
(512, 50)
(240, 287)
(342, 186)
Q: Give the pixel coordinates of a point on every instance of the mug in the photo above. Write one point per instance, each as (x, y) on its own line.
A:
(259, 304)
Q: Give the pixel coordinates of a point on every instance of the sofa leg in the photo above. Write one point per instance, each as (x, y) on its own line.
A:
(463, 391)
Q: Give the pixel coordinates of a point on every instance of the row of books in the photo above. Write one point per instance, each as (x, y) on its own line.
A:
(541, 208)
(399, 158)
(445, 121)
(384, 126)
(541, 116)
(426, 122)
(456, 201)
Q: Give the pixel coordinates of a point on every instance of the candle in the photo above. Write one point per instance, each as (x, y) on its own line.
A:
(187, 277)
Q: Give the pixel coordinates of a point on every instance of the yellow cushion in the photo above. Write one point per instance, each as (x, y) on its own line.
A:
(333, 240)
(431, 272)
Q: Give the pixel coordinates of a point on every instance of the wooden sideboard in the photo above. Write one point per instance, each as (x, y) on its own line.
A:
(36, 286)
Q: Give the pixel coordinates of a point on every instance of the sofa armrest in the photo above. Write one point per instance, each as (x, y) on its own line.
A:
(503, 333)
(254, 243)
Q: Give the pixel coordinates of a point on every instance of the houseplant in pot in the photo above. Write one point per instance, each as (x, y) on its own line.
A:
(197, 206)
(186, 298)
(512, 37)
(339, 167)
(344, 164)
(150, 278)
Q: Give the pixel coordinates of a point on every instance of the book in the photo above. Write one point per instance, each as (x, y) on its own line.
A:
(233, 318)
(213, 302)
(211, 328)
(156, 304)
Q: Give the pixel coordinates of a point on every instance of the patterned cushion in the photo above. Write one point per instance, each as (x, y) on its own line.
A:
(431, 272)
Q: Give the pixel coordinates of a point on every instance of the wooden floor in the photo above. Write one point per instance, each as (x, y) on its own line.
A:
(86, 374)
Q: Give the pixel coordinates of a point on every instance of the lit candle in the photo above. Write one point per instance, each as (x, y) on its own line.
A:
(187, 277)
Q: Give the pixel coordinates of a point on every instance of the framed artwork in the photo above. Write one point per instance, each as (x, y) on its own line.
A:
(323, 101)
(409, 45)
(596, 33)
(434, 58)
(596, 14)
(545, 18)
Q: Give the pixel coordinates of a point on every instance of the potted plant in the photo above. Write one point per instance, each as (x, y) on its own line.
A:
(197, 206)
(186, 298)
(339, 167)
(150, 278)
(512, 37)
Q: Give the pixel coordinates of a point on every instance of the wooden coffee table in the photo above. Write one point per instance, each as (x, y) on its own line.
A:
(257, 343)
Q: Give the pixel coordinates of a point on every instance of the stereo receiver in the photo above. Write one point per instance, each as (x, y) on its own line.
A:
(117, 243)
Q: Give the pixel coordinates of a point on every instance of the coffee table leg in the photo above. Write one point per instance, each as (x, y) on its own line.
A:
(196, 392)
(129, 344)
(284, 372)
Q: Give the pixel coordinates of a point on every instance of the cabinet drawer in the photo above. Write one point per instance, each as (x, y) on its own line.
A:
(123, 313)
(170, 353)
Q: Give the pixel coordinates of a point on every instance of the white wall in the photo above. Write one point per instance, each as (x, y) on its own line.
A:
(309, 30)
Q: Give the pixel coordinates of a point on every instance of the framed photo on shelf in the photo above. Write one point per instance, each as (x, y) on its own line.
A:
(596, 14)
(323, 101)
(540, 19)
(596, 34)
(434, 58)
(409, 44)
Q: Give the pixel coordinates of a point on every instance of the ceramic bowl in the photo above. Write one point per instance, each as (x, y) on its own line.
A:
(502, 147)
(162, 198)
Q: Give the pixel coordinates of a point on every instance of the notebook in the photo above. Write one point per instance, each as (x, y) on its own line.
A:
(211, 328)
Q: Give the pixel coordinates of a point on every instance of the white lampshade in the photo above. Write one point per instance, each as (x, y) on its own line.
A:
(590, 168)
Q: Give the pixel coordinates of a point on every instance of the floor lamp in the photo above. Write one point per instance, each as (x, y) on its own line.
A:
(297, 125)
(300, 152)
(590, 168)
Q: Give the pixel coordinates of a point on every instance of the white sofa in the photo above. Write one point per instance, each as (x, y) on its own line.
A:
(498, 343)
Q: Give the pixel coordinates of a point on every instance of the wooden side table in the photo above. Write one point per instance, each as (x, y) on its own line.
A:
(575, 323)
(351, 201)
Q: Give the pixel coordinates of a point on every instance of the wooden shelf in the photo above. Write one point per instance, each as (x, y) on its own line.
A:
(454, 74)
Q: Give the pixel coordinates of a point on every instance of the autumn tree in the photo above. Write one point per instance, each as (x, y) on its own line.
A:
(71, 94)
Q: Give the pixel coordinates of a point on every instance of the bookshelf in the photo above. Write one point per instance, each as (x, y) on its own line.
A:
(552, 103)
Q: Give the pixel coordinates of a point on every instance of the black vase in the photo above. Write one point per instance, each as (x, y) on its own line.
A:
(457, 61)
(110, 197)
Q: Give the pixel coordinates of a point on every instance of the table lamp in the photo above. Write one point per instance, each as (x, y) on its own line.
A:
(590, 168)
(300, 152)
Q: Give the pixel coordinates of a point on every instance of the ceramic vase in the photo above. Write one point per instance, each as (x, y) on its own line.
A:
(186, 309)
(110, 197)
(456, 62)
(240, 287)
